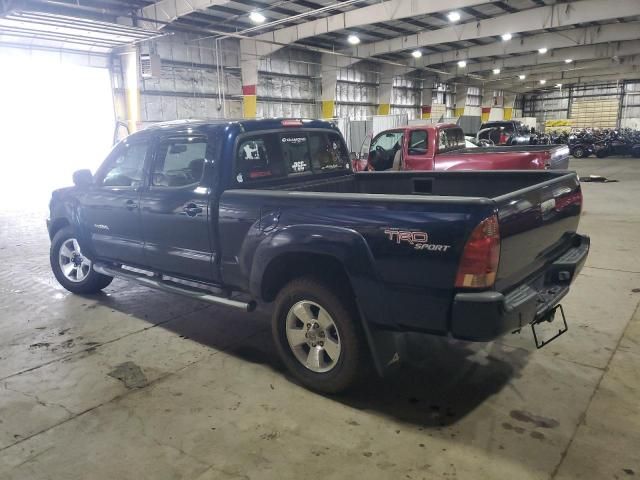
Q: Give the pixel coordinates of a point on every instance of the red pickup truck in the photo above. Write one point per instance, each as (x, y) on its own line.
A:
(442, 146)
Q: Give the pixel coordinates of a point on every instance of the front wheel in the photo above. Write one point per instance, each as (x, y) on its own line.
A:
(318, 336)
(579, 152)
(71, 267)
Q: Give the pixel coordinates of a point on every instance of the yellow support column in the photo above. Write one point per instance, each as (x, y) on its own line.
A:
(249, 101)
(328, 108)
(384, 109)
(508, 112)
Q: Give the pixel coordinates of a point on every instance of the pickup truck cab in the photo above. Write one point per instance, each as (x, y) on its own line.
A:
(507, 132)
(442, 147)
(270, 211)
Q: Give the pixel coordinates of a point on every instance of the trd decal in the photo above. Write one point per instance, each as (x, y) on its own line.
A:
(418, 240)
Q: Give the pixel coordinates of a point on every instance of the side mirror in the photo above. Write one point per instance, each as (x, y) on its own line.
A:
(82, 178)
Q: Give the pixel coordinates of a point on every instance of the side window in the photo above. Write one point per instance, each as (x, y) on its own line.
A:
(388, 141)
(125, 168)
(179, 162)
(418, 142)
(383, 150)
(256, 158)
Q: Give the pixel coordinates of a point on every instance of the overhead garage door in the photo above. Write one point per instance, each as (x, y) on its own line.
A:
(56, 117)
(595, 112)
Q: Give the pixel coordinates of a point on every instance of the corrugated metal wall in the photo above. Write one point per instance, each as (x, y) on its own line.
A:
(188, 83)
(406, 97)
(289, 84)
(605, 105)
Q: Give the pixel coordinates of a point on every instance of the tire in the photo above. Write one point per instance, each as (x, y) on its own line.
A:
(298, 309)
(579, 152)
(79, 276)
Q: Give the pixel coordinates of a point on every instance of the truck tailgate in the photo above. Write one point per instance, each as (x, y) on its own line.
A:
(537, 225)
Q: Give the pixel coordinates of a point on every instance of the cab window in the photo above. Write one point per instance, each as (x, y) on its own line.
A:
(179, 162)
(383, 150)
(418, 142)
(125, 167)
(279, 155)
(450, 139)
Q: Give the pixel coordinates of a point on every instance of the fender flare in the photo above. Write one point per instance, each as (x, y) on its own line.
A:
(352, 251)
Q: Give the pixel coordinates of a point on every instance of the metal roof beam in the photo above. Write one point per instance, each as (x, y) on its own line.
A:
(539, 18)
(379, 12)
(580, 53)
(568, 38)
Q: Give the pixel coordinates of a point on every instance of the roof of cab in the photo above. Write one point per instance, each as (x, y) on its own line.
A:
(246, 125)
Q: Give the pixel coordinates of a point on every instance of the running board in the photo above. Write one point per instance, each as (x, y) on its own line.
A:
(172, 287)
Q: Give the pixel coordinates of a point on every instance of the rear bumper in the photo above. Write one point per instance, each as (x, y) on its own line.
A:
(484, 316)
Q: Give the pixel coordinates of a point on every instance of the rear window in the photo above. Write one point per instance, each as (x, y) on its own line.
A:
(450, 139)
(285, 154)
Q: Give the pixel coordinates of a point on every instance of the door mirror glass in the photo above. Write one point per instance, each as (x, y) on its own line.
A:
(82, 178)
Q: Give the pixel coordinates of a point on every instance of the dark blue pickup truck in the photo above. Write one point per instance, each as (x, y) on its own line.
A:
(270, 211)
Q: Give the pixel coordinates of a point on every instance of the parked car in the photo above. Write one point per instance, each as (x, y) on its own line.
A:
(444, 147)
(236, 213)
(507, 132)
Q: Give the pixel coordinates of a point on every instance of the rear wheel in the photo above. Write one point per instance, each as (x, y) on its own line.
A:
(318, 336)
(71, 266)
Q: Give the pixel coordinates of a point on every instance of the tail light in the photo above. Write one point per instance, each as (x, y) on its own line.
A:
(479, 262)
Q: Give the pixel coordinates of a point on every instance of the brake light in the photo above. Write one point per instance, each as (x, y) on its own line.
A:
(479, 262)
(291, 123)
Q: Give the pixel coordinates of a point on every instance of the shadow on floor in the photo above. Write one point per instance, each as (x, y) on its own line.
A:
(439, 382)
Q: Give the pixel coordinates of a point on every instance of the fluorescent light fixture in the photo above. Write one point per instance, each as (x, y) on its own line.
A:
(416, 54)
(522, 77)
(559, 85)
(568, 60)
(353, 39)
(543, 81)
(496, 71)
(506, 37)
(543, 50)
(453, 17)
(462, 64)
(257, 17)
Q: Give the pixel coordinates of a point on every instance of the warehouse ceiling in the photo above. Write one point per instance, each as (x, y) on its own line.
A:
(419, 35)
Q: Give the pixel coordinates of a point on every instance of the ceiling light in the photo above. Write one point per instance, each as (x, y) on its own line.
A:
(453, 17)
(568, 60)
(522, 77)
(257, 17)
(496, 71)
(506, 37)
(542, 82)
(559, 85)
(543, 50)
(416, 54)
(353, 39)
(462, 64)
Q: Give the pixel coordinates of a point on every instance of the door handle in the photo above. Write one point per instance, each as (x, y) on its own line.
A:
(130, 205)
(191, 209)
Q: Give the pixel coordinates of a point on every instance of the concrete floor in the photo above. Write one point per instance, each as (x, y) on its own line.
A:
(137, 384)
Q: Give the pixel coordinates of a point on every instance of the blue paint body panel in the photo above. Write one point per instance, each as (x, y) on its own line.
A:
(246, 226)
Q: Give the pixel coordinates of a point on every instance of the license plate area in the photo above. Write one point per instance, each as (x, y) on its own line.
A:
(547, 329)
